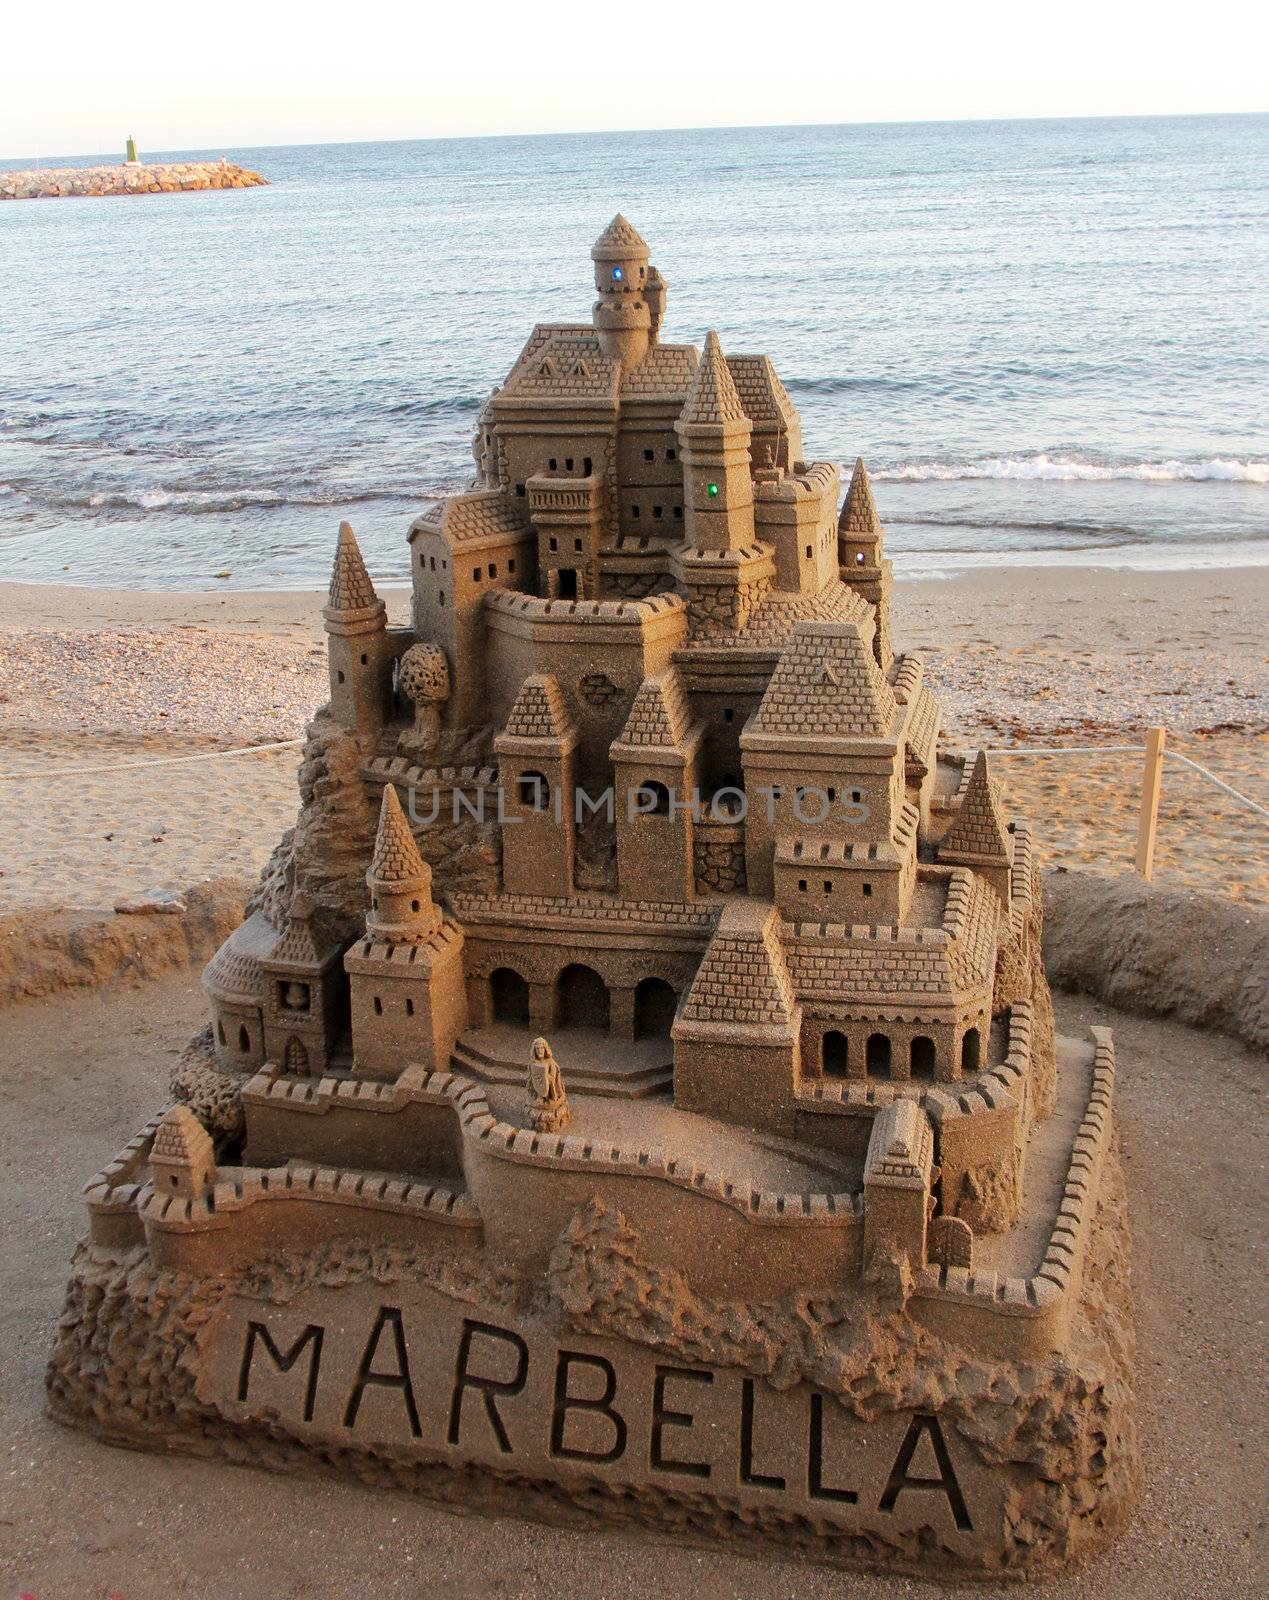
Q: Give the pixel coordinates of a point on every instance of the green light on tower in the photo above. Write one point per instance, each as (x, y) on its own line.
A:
(711, 489)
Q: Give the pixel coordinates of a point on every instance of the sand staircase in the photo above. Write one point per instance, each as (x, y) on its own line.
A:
(591, 1062)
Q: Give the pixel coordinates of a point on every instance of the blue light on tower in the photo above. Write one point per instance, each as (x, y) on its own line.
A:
(617, 274)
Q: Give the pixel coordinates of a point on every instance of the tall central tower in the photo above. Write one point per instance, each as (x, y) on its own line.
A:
(622, 315)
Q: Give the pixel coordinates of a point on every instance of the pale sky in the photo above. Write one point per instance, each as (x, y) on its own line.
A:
(78, 78)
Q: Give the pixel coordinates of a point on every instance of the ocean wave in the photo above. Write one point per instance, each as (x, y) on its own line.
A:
(211, 500)
(1060, 469)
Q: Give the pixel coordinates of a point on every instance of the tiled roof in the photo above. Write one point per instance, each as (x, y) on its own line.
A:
(660, 715)
(396, 858)
(476, 514)
(978, 829)
(181, 1137)
(618, 239)
(234, 971)
(667, 369)
(827, 684)
(742, 979)
(771, 625)
(922, 734)
(350, 585)
(539, 711)
(764, 398)
(297, 945)
(712, 398)
(859, 516)
(563, 363)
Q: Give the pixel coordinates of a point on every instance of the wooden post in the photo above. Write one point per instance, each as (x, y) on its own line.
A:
(1151, 777)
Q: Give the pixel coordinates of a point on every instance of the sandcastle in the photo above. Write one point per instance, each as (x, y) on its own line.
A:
(633, 1094)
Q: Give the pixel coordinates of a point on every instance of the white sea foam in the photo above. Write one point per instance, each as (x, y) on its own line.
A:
(1059, 469)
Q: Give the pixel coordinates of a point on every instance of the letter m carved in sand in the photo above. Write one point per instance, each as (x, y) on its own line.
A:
(311, 1337)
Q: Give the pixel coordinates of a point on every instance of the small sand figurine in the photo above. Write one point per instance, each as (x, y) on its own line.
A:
(548, 1109)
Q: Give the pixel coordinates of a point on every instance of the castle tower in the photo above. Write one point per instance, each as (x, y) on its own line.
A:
(356, 625)
(182, 1159)
(979, 837)
(537, 771)
(305, 1005)
(406, 986)
(622, 315)
(860, 560)
(400, 881)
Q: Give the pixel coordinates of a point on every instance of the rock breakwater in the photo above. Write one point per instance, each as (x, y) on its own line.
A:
(146, 177)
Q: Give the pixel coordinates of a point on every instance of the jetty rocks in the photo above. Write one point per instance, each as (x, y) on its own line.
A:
(145, 177)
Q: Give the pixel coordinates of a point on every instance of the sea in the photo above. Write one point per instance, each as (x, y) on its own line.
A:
(1047, 338)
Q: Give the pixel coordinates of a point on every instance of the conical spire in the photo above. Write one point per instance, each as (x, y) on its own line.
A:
(396, 859)
(618, 242)
(712, 399)
(826, 685)
(978, 831)
(350, 585)
(181, 1138)
(859, 517)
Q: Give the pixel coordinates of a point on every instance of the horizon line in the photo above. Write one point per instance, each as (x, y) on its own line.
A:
(709, 127)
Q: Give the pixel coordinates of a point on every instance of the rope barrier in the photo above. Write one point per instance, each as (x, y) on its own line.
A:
(1126, 750)
(162, 761)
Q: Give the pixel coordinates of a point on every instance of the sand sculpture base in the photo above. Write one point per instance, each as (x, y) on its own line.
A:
(838, 1430)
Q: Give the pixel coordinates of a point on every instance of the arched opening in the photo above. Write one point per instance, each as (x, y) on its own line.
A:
(654, 1007)
(533, 791)
(877, 1058)
(220, 1032)
(568, 583)
(509, 996)
(971, 1051)
(654, 799)
(581, 998)
(922, 1059)
(835, 1054)
(244, 1040)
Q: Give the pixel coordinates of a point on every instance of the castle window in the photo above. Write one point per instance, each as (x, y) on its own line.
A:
(649, 455)
(475, 574)
(801, 885)
(970, 1051)
(378, 1005)
(568, 583)
(533, 791)
(831, 792)
(656, 511)
(220, 1032)
(660, 797)
(868, 891)
(577, 544)
(440, 597)
(552, 464)
(444, 564)
(835, 1054)
(877, 1056)
(671, 455)
(568, 463)
(493, 569)
(340, 677)
(365, 661)
(678, 511)
(634, 511)
(409, 1006)
(415, 906)
(553, 542)
(520, 489)
(828, 886)
(856, 795)
(922, 1059)
(511, 566)
(729, 714)
(809, 552)
(586, 467)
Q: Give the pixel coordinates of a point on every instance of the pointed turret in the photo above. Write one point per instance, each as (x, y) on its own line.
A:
(356, 623)
(979, 836)
(182, 1160)
(826, 685)
(622, 315)
(400, 881)
(714, 435)
(860, 561)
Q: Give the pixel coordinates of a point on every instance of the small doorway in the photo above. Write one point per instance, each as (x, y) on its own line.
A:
(654, 1006)
(568, 583)
(971, 1051)
(509, 997)
(582, 999)
(877, 1060)
(836, 1054)
(923, 1059)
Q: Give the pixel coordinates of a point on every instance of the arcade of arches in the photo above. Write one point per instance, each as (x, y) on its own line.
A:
(579, 998)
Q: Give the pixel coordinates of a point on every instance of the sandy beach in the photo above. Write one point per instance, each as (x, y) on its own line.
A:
(111, 680)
